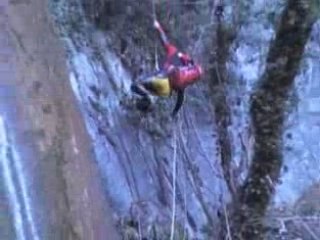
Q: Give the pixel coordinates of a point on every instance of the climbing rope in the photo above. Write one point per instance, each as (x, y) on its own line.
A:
(174, 172)
(153, 9)
(174, 144)
(156, 58)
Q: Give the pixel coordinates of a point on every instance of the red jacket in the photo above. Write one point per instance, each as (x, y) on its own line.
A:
(181, 77)
(179, 66)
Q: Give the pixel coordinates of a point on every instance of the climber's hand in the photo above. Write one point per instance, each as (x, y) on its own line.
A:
(156, 24)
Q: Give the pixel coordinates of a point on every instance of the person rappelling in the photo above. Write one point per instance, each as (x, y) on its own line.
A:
(176, 73)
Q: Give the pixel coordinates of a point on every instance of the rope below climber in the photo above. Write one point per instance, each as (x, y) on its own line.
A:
(177, 72)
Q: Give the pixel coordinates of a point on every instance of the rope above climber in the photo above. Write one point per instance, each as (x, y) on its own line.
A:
(176, 73)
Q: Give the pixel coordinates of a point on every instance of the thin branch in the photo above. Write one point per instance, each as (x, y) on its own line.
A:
(227, 222)
(139, 228)
(294, 218)
(309, 230)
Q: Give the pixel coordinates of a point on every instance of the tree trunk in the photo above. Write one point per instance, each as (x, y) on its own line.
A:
(268, 112)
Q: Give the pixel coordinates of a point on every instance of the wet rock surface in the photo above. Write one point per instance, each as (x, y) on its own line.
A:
(55, 179)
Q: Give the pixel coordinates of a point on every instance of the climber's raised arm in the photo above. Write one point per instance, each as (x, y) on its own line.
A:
(170, 48)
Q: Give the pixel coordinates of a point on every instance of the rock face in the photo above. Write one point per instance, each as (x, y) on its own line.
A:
(108, 44)
(54, 181)
(79, 152)
(135, 151)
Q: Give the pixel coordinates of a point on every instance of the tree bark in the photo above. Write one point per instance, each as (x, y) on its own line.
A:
(268, 113)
